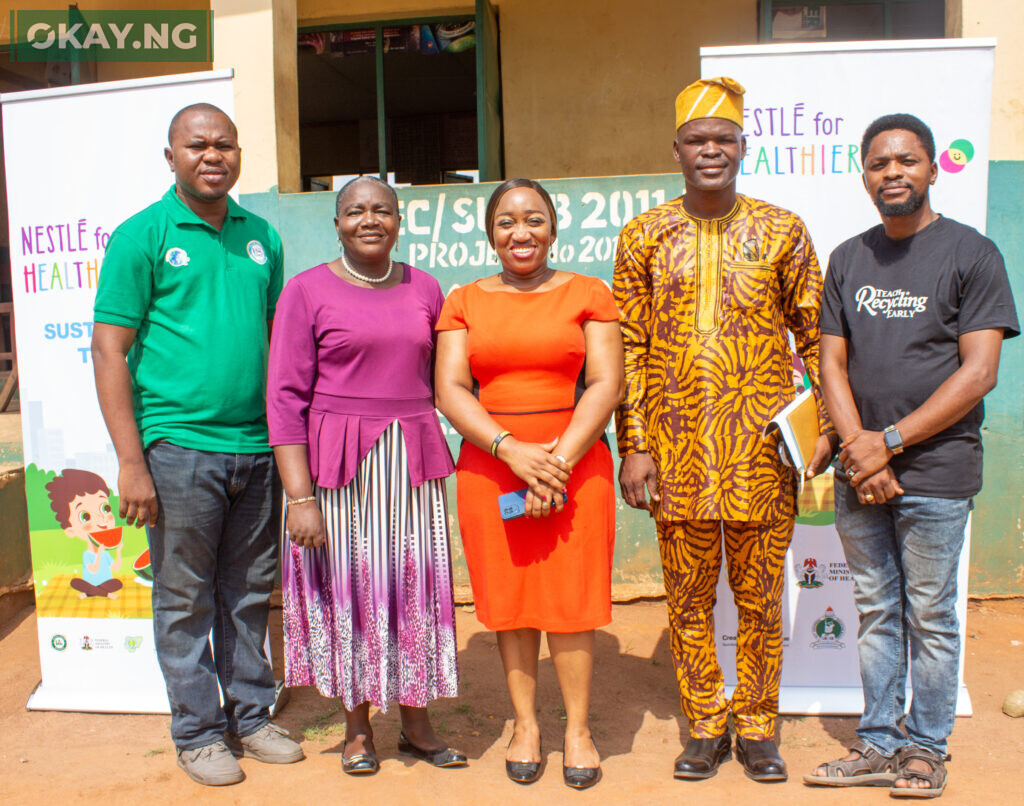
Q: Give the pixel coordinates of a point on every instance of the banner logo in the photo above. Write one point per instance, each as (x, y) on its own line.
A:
(894, 304)
(807, 573)
(59, 642)
(107, 35)
(132, 642)
(86, 644)
(955, 158)
(827, 632)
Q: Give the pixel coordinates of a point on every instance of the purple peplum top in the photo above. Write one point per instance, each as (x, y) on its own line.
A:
(346, 362)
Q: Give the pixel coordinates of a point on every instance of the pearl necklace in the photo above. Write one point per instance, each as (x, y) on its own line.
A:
(364, 278)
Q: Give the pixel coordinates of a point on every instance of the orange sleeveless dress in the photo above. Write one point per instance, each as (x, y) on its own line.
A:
(526, 352)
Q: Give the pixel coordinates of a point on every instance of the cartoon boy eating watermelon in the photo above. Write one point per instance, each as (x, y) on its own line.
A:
(81, 502)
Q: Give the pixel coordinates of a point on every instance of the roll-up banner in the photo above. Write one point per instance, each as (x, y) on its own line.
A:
(806, 107)
(79, 161)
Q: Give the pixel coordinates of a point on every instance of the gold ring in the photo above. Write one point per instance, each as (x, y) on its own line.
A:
(869, 497)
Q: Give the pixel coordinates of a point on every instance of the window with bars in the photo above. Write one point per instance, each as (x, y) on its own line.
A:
(416, 101)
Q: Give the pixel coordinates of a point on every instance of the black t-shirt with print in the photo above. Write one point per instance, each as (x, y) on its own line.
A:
(902, 305)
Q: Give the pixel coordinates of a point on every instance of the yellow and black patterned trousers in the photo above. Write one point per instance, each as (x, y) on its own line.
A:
(691, 557)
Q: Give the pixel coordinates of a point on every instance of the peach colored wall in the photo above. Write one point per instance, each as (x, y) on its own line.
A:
(257, 38)
(1001, 19)
(589, 87)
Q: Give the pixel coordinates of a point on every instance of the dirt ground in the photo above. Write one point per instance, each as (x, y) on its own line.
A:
(58, 758)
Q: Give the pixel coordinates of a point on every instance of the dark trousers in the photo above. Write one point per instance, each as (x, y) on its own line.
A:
(214, 557)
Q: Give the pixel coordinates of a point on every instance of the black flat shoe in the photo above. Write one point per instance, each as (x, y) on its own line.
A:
(761, 760)
(701, 758)
(445, 757)
(580, 777)
(360, 764)
(522, 772)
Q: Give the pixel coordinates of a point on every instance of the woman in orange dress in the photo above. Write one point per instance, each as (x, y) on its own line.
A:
(529, 370)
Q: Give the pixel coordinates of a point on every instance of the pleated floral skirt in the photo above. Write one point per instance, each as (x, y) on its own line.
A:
(369, 616)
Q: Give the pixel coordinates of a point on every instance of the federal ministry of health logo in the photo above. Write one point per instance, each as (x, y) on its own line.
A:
(827, 632)
(176, 256)
(59, 642)
(807, 573)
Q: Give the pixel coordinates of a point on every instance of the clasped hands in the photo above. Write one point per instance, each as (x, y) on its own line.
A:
(865, 458)
(545, 473)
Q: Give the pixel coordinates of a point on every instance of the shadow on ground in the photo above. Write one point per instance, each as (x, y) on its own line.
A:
(480, 718)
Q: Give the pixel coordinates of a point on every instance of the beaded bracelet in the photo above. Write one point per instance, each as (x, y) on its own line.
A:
(306, 500)
(497, 441)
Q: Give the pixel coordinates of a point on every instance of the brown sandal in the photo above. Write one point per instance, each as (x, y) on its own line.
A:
(936, 779)
(871, 769)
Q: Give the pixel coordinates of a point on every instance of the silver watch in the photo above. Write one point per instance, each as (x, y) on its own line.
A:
(893, 440)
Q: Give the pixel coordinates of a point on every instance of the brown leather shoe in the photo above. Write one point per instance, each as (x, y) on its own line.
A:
(701, 757)
(761, 760)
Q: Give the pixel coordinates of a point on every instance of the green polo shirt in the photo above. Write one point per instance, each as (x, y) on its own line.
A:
(200, 301)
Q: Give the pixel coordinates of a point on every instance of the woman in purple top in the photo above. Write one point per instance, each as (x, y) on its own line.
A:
(369, 613)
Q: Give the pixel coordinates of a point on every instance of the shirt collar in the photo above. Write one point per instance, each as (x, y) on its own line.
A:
(741, 201)
(180, 212)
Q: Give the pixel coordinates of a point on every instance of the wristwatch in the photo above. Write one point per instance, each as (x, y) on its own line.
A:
(893, 440)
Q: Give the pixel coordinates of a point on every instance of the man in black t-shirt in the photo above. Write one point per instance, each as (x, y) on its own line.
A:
(914, 313)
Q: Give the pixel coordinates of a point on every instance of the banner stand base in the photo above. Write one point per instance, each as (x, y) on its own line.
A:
(841, 700)
(121, 701)
(100, 701)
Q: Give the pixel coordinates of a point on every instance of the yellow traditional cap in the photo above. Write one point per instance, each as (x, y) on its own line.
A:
(711, 98)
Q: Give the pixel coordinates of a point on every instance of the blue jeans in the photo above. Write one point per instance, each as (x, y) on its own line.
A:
(903, 556)
(214, 557)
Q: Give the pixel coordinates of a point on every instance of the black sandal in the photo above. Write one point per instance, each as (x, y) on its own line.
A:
(936, 779)
(522, 772)
(871, 769)
(581, 777)
(445, 757)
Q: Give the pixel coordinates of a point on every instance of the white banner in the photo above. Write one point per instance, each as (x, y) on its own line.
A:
(806, 107)
(79, 161)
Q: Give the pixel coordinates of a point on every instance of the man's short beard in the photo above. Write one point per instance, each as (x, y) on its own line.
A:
(911, 205)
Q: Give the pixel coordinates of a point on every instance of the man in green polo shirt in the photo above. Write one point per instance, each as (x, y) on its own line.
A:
(186, 294)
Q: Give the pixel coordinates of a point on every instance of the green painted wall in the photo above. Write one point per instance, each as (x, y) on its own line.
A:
(997, 550)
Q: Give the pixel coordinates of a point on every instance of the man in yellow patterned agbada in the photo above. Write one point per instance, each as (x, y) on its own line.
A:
(708, 285)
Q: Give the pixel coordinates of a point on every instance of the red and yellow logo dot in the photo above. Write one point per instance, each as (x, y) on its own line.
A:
(955, 158)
